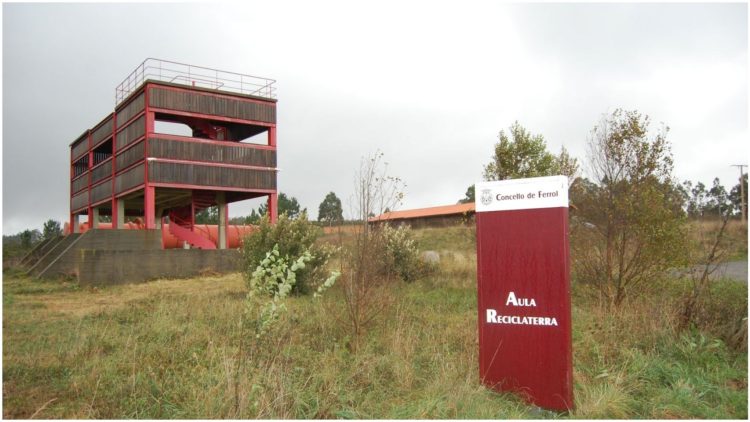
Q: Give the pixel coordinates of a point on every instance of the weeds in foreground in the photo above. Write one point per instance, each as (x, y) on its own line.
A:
(166, 350)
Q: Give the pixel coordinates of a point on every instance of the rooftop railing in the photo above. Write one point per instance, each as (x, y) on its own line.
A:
(185, 74)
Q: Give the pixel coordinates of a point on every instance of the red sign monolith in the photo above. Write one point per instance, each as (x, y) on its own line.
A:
(523, 278)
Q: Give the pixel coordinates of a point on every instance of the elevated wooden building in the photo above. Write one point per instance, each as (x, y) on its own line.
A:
(123, 167)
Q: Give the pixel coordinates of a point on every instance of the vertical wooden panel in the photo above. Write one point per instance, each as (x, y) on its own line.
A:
(131, 132)
(79, 200)
(80, 148)
(130, 156)
(193, 174)
(101, 172)
(196, 102)
(102, 132)
(204, 151)
(101, 192)
(129, 179)
(78, 184)
(131, 109)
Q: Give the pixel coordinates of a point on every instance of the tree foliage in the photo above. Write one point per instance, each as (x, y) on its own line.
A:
(330, 210)
(715, 202)
(287, 205)
(468, 196)
(51, 229)
(519, 155)
(632, 227)
(208, 215)
(735, 195)
(523, 154)
(292, 238)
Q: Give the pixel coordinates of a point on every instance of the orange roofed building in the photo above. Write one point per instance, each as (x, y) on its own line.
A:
(446, 215)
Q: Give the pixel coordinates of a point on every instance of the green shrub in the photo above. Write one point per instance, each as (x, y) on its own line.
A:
(401, 253)
(294, 237)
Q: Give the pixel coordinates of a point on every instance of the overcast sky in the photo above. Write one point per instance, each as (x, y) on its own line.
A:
(430, 85)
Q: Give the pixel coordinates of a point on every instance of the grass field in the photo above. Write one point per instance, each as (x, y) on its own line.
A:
(169, 349)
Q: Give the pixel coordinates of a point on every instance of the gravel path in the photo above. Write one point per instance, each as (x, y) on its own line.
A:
(734, 270)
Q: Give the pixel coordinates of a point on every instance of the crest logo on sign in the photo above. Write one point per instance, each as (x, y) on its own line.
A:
(486, 196)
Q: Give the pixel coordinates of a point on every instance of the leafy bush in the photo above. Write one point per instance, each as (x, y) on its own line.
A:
(275, 277)
(401, 253)
(293, 238)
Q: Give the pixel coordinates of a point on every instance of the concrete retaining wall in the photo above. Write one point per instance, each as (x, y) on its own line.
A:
(64, 260)
(105, 267)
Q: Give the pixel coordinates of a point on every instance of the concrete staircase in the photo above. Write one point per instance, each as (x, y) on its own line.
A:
(62, 259)
(53, 254)
(38, 251)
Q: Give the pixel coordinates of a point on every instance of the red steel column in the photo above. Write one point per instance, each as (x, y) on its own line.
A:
(90, 154)
(114, 213)
(149, 207)
(272, 136)
(149, 194)
(114, 170)
(273, 207)
(70, 199)
(523, 282)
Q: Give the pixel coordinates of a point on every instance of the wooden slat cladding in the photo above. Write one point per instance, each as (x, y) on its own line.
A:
(129, 179)
(80, 148)
(196, 102)
(131, 132)
(79, 183)
(194, 174)
(101, 192)
(203, 151)
(79, 201)
(101, 172)
(103, 132)
(133, 154)
(129, 111)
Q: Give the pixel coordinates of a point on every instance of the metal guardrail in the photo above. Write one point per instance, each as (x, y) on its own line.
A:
(185, 74)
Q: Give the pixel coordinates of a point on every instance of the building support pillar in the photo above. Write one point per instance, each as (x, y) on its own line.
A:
(159, 212)
(74, 223)
(272, 136)
(148, 207)
(120, 221)
(273, 207)
(94, 218)
(221, 203)
(115, 213)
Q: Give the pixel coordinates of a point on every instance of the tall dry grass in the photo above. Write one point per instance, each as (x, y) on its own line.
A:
(168, 349)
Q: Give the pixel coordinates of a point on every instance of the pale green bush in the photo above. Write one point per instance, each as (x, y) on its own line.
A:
(401, 253)
(292, 238)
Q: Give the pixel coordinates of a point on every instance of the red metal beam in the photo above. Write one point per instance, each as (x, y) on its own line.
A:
(222, 188)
